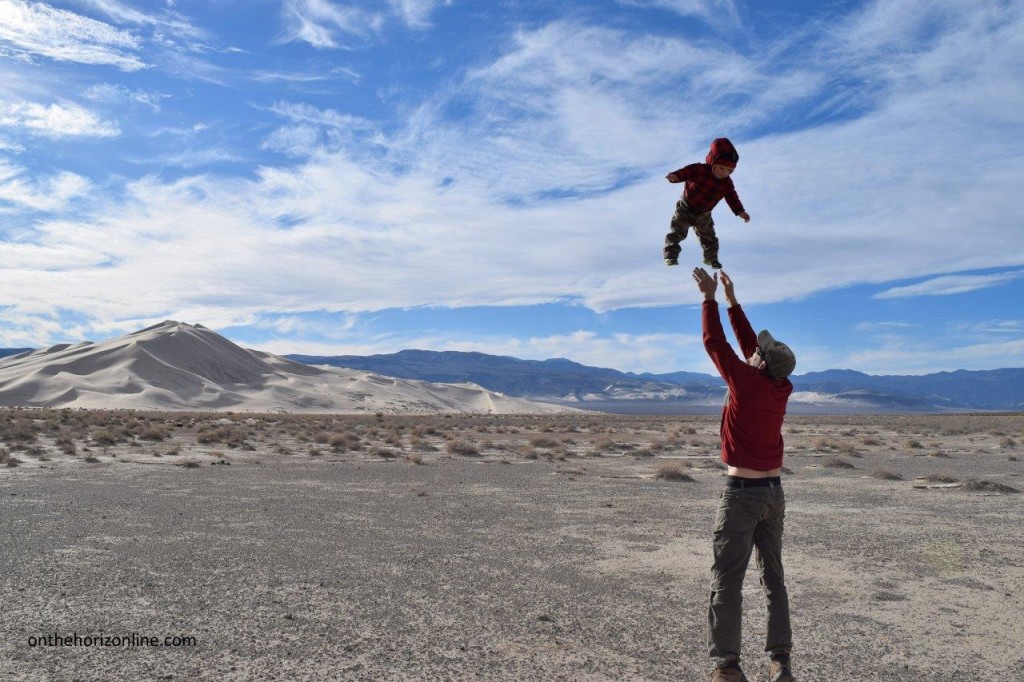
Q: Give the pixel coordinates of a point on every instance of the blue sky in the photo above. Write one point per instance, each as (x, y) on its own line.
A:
(332, 177)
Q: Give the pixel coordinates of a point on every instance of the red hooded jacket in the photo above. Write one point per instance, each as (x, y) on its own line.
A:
(703, 190)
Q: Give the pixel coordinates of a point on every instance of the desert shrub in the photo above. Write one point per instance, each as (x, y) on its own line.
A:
(527, 451)
(914, 444)
(1007, 443)
(232, 436)
(839, 463)
(21, 430)
(154, 432)
(870, 441)
(340, 442)
(461, 447)
(821, 443)
(106, 436)
(938, 454)
(188, 464)
(414, 458)
(672, 471)
(544, 442)
(988, 486)
(382, 452)
(886, 475)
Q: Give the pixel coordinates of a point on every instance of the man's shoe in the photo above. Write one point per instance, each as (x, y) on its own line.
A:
(732, 673)
(713, 263)
(671, 261)
(781, 671)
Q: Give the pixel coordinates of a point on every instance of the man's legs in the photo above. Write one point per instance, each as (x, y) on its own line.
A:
(682, 220)
(768, 540)
(735, 521)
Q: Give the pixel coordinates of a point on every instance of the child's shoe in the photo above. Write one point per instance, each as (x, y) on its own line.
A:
(713, 263)
(671, 261)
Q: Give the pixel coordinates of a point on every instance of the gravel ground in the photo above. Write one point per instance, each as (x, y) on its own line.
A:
(479, 568)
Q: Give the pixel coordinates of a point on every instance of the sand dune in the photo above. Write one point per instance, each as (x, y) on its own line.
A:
(178, 366)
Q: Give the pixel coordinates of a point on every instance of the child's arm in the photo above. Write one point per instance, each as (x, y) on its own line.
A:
(733, 199)
(681, 175)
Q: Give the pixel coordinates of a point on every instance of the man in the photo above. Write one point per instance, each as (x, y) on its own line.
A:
(752, 507)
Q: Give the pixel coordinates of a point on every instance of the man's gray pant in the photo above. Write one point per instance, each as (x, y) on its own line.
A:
(747, 518)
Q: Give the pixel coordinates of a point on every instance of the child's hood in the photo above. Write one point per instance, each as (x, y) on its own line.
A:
(722, 152)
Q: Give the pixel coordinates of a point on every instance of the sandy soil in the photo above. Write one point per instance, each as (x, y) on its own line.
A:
(555, 553)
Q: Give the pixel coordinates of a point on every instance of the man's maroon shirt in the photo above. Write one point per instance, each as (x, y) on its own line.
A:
(755, 403)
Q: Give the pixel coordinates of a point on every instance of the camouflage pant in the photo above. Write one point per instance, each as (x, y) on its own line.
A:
(702, 224)
(747, 518)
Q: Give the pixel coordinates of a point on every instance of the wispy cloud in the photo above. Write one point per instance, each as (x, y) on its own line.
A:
(336, 73)
(40, 29)
(60, 119)
(416, 13)
(318, 22)
(950, 284)
(165, 20)
(21, 189)
(717, 13)
(912, 357)
(114, 93)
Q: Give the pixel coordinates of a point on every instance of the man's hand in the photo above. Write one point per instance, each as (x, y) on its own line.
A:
(745, 216)
(672, 177)
(730, 294)
(706, 283)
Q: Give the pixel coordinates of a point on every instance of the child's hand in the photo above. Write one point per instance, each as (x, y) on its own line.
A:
(745, 216)
(672, 177)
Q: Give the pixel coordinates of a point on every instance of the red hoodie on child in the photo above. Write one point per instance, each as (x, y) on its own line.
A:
(703, 190)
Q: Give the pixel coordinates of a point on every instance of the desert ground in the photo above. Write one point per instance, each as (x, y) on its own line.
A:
(567, 547)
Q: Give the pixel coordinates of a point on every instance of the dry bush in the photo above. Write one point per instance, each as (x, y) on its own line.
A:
(461, 447)
(154, 432)
(414, 458)
(1007, 443)
(544, 442)
(605, 445)
(870, 441)
(938, 454)
(822, 443)
(886, 475)
(838, 463)
(988, 486)
(914, 444)
(188, 464)
(941, 478)
(382, 452)
(672, 471)
(341, 442)
(106, 436)
(527, 451)
(19, 430)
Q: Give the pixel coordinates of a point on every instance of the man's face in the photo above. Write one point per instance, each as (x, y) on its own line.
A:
(720, 171)
(756, 359)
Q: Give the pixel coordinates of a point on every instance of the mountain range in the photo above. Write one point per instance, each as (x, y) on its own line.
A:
(177, 366)
(566, 382)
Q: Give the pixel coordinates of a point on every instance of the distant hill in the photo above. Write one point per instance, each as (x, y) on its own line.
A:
(177, 366)
(564, 381)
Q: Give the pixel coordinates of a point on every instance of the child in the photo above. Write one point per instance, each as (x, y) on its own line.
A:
(706, 184)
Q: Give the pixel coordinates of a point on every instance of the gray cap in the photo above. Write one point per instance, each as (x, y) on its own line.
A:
(778, 357)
